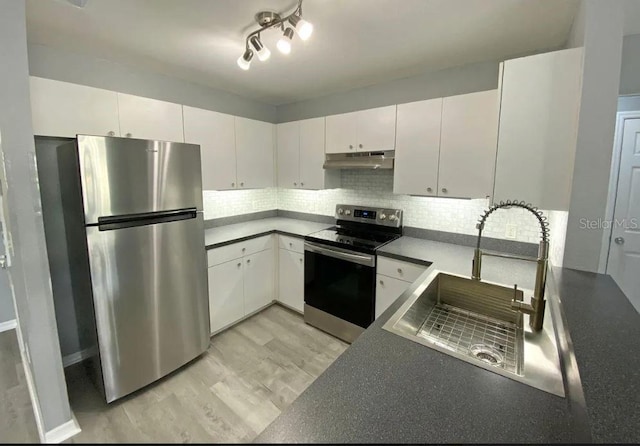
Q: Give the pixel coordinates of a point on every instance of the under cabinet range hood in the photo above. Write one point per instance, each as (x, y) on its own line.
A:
(359, 160)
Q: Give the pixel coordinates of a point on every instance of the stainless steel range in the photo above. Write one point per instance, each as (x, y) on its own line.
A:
(340, 269)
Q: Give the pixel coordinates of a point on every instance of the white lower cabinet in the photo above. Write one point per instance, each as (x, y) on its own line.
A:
(226, 294)
(388, 290)
(241, 280)
(258, 280)
(392, 279)
(291, 279)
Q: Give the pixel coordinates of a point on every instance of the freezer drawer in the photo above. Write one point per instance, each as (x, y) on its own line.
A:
(122, 176)
(150, 300)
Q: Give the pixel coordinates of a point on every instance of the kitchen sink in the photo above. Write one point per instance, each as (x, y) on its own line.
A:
(474, 321)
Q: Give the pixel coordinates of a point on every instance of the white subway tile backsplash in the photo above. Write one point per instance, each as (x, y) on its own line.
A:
(236, 202)
(375, 188)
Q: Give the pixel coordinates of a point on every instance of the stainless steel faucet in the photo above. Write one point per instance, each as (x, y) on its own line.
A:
(535, 309)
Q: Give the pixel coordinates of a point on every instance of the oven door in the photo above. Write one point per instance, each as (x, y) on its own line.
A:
(340, 282)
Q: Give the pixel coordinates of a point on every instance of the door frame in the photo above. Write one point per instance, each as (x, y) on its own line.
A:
(612, 195)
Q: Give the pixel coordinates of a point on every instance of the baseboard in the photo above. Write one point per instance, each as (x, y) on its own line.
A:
(8, 325)
(63, 432)
(77, 357)
(35, 403)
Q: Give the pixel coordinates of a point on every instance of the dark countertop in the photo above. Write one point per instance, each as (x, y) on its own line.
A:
(387, 389)
(605, 330)
(225, 235)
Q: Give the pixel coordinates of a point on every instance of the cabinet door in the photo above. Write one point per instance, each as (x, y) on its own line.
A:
(291, 275)
(376, 129)
(341, 133)
(468, 145)
(254, 151)
(226, 291)
(146, 118)
(65, 110)
(418, 148)
(387, 291)
(215, 133)
(312, 174)
(258, 280)
(538, 128)
(288, 154)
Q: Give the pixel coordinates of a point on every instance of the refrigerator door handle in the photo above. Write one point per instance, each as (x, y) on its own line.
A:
(147, 218)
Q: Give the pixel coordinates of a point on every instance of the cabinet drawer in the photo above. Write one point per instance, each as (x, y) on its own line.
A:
(236, 250)
(258, 244)
(398, 269)
(294, 244)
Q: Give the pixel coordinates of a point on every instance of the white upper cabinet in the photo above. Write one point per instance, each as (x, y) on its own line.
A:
(312, 173)
(418, 148)
(468, 145)
(540, 97)
(341, 133)
(146, 118)
(376, 129)
(215, 133)
(362, 131)
(65, 110)
(301, 156)
(288, 154)
(255, 153)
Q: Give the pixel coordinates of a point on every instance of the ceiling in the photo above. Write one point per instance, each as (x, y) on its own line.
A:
(355, 42)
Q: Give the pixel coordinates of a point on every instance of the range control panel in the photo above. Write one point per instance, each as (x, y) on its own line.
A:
(371, 215)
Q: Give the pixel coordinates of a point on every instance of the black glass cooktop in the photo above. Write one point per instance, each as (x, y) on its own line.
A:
(354, 239)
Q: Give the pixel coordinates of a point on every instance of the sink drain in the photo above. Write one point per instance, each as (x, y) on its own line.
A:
(486, 354)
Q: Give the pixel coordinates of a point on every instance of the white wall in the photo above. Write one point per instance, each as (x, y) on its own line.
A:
(598, 27)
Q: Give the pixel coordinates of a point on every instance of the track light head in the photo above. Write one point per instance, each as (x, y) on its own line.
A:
(302, 27)
(262, 51)
(244, 61)
(284, 44)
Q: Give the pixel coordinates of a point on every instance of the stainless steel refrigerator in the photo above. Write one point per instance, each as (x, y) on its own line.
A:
(135, 239)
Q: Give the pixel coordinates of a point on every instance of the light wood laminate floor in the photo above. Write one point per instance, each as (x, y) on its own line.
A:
(249, 374)
(17, 422)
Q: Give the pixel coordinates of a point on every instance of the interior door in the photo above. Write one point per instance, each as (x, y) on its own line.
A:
(624, 250)
(150, 298)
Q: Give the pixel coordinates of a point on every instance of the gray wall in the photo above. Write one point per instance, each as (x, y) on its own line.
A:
(630, 71)
(449, 82)
(74, 316)
(6, 299)
(628, 103)
(598, 28)
(30, 271)
(83, 69)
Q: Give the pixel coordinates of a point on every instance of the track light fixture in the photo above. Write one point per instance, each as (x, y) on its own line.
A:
(244, 61)
(268, 20)
(284, 44)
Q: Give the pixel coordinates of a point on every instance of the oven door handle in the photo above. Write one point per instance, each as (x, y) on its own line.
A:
(362, 259)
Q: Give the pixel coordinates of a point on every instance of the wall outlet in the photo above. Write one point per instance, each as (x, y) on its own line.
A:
(512, 231)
